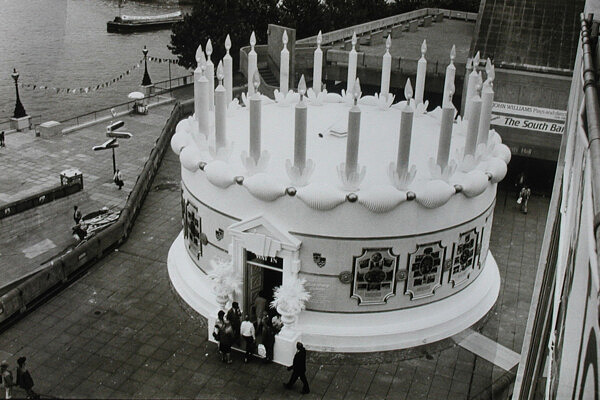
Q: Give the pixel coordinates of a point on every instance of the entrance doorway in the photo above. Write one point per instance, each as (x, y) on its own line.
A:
(261, 276)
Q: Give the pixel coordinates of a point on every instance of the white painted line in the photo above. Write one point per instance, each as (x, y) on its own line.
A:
(38, 248)
(487, 349)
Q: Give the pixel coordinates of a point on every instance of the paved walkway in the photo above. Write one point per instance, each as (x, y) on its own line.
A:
(120, 331)
(31, 164)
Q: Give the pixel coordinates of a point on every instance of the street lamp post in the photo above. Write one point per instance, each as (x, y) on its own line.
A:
(146, 81)
(19, 109)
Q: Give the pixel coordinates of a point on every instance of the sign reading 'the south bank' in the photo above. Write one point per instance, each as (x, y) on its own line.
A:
(528, 117)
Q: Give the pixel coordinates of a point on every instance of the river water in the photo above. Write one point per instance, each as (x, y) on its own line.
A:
(64, 44)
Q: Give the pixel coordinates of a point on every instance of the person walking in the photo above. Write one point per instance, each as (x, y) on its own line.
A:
(260, 304)
(268, 338)
(249, 335)
(219, 330)
(7, 379)
(118, 179)
(24, 380)
(234, 316)
(2, 143)
(226, 341)
(298, 369)
(76, 215)
(524, 196)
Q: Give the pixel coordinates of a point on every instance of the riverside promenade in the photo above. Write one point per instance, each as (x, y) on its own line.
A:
(120, 331)
(32, 164)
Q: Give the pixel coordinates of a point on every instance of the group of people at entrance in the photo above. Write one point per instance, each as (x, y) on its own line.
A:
(231, 329)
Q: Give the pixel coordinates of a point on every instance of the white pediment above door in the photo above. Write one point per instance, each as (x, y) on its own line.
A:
(263, 236)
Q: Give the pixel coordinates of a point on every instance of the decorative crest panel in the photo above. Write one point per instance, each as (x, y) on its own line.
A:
(425, 270)
(374, 276)
(464, 257)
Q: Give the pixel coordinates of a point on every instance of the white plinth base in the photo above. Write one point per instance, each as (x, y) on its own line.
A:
(346, 332)
(20, 124)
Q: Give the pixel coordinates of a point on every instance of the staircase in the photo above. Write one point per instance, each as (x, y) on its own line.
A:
(268, 77)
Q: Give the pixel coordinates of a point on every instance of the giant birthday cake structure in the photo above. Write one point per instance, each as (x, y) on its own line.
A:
(371, 219)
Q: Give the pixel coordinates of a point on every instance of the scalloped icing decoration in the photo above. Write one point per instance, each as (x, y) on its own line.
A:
(219, 174)
(264, 187)
(179, 141)
(321, 196)
(433, 194)
(475, 183)
(381, 199)
(185, 124)
(369, 100)
(502, 151)
(333, 98)
(498, 168)
(190, 159)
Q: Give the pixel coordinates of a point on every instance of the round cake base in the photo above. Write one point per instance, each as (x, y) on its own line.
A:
(357, 332)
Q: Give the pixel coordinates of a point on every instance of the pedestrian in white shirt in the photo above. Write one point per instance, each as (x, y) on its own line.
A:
(249, 335)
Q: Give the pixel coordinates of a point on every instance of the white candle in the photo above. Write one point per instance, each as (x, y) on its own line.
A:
(450, 75)
(487, 100)
(421, 72)
(352, 64)
(386, 69)
(445, 136)
(300, 128)
(200, 61)
(353, 133)
(284, 66)
(471, 84)
(406, 121)
(210, 76)
(251, 64)
(318, 65)
(220, 111)
(255, 118)
(228, 66)
(473, 125)
(203, 117)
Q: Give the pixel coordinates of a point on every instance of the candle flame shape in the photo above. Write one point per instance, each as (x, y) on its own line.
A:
(199, 55)
(253, 40)
(354, 40)
(388, 43)
(220, 73)
(453, 53)
(424, 47)
(476, 60)
(319, 39)
(209, 48)
(302, 86)
(408, 90)
(490, 70)
(256, 80)
(356, 91)
(284, 38)
(227, 43)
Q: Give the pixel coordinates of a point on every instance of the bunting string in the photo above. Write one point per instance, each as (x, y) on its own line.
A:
(86, 89)
(99, 86)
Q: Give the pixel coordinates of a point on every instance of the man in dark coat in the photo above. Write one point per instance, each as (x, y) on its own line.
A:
(298, 369)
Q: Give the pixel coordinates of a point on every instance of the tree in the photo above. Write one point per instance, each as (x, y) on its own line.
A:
(214, 20)
(306, 16)
(344, 13)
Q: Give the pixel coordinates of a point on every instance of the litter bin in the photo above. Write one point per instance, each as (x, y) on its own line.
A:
(71, 175)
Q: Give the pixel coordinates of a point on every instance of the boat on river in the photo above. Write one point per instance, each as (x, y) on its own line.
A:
(130, 23)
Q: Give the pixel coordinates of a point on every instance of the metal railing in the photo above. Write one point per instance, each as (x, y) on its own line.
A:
(6, 127)
(161, 88)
